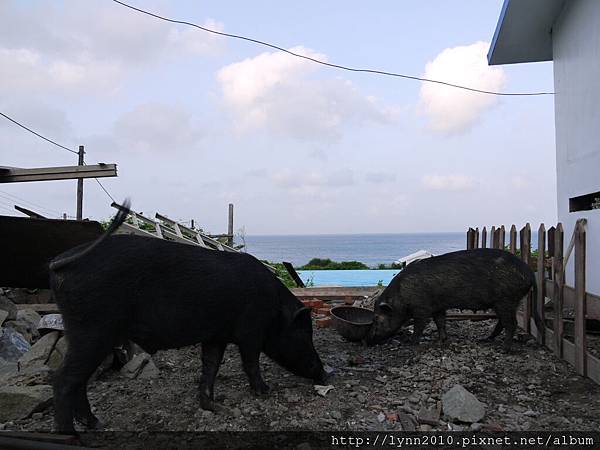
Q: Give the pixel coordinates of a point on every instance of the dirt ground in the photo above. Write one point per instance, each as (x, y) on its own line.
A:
(527, 390)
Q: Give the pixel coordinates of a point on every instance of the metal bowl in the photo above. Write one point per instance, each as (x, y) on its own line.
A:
(352, 322)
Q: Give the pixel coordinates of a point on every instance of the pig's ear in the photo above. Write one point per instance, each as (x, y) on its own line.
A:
(299, 313)
(386, 308)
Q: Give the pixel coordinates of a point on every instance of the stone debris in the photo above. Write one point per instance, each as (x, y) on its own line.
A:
(323, 390)
(460, 404)
(411, 398)
(9, 307)
(19, 402)
(13, 344)
(40, 352)
(141, 365)
(429, 416)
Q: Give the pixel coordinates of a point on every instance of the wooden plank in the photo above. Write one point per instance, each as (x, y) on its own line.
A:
(473, 317)
(580, 336)
(290, 269)
(558, 291)
(47, 308)
(592, 302)
(14, 175)
(127, 228)
(551, 241)
(483, 238)
(470, 238)
(28, 439)
(593, 368)
(493, 237)
(525, 242)
(28, 212)
(541, 284)
(513, 240)
(335, 293)
(502, 237)
(476, 239)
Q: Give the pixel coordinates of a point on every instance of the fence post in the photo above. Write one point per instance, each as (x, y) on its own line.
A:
(580, 337)
(513, 240)
(483, 238)
(79, 213)
(476, 239)
(470, 238)
(501, 237)
(551, 238)
(559, 281)
(525, 236)
(541, 284)
(493, 237)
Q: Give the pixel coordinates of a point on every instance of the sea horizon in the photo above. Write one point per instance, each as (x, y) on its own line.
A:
(371, 249)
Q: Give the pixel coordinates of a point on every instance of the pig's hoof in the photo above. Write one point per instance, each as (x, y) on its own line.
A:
(262, 389)
(92, 423)
(207, 404)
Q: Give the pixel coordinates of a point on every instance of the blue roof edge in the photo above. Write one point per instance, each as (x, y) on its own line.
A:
(490, 54)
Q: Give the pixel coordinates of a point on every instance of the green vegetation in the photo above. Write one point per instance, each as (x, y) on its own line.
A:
(533, 261)
(328, 264)
(282, 273)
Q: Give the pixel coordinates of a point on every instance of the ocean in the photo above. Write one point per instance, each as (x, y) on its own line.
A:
(371, 249)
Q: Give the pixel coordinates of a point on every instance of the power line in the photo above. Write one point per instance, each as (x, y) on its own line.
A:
(17, 199)
(336, 66)
(104, 189)
(37, 134)
(55, 143)
(7, 209)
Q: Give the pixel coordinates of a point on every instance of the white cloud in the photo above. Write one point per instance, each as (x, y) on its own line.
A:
(92, 45)
(448, 182)
(454, 110)
(278, 92)
(155, 127)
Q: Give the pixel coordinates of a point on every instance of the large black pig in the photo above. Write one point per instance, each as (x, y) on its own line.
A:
(469, 279)
(164, 295)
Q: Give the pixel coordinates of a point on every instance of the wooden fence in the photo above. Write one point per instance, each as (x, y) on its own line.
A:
(552, 292)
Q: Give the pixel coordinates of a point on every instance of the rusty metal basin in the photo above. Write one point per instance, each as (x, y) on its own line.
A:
(352, 322)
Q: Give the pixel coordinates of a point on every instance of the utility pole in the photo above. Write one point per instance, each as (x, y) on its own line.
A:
(230, 226)
(80, 187)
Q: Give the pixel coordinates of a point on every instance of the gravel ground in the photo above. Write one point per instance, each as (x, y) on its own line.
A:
(374, 389)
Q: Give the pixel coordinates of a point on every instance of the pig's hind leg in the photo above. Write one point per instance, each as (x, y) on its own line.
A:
(83, 356)
(250, 354)
(83, 412)
(507, 317)
(440, 322)
(495, 332)
(212, 356)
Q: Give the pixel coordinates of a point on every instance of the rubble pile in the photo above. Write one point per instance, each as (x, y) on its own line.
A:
(463, 385)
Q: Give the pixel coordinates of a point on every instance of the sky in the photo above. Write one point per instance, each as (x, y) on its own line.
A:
(195, 121)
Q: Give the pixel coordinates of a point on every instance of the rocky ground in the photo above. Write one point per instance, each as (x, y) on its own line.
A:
(388, 387)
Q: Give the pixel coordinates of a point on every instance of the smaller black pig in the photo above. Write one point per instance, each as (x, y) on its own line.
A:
(165, 295)
(469, 279)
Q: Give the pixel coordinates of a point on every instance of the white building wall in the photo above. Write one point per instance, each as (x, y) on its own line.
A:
(576, 52)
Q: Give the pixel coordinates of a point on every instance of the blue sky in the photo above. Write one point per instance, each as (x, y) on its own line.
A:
(196, 121)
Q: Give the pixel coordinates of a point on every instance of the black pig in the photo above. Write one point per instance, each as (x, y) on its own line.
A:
(469, 279)
(165, 295)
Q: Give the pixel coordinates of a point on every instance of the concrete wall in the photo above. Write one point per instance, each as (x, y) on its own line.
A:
(576, 49)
